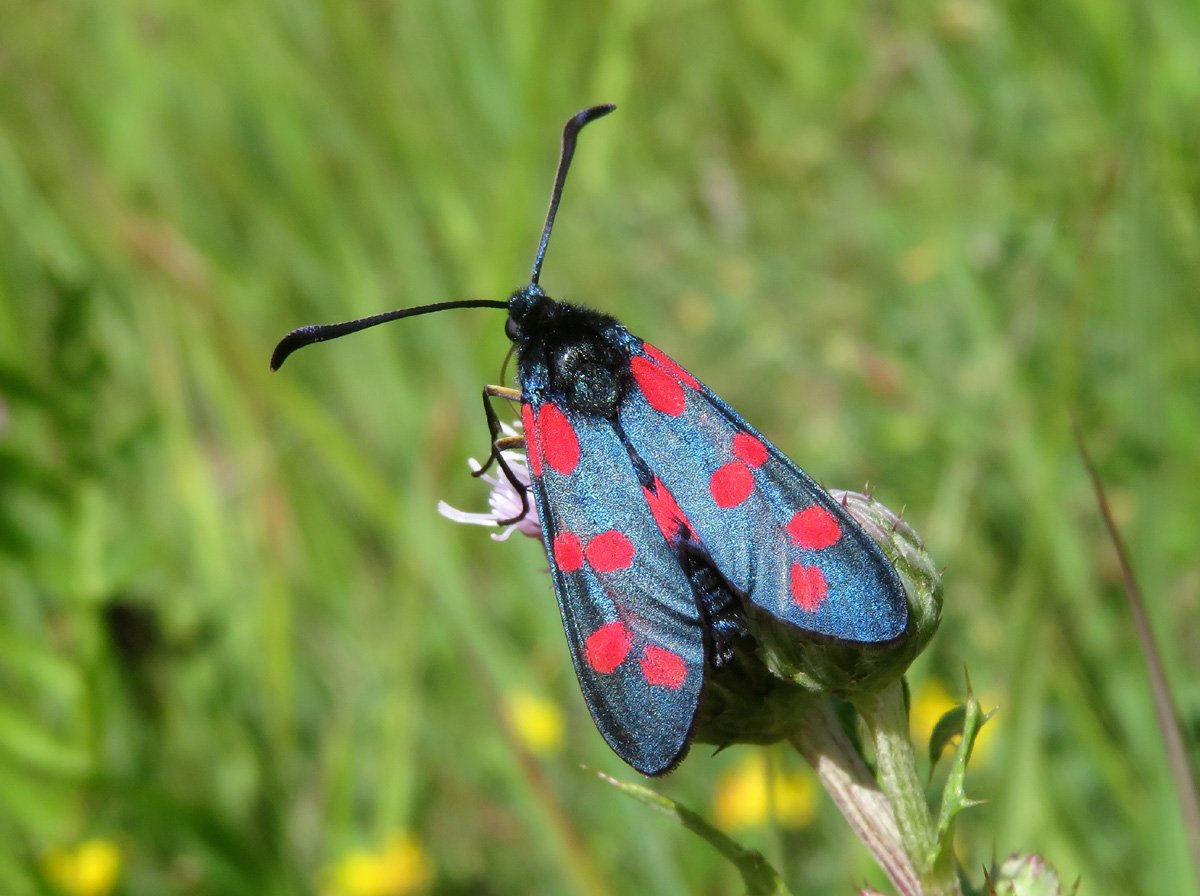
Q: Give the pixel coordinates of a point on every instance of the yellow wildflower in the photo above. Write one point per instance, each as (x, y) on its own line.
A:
(90, 869)
(747, 793)
(537, 722)
(400, 868)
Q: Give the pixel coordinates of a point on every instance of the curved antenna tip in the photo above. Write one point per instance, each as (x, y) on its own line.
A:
(288, 344)
(593, 112)
(570, 134)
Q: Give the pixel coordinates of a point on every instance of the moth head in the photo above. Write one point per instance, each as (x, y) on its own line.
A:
(526, 307)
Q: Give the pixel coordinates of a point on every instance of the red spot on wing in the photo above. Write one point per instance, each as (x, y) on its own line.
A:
(814, 528)
(607, 647)
(663, 668)
(532, 449)
(660, 388)
(559, 444)
(746, 447)
(609, 551)
(667, 515)
(808, 587)
(664, 361)
(731, 484)
(568, 552)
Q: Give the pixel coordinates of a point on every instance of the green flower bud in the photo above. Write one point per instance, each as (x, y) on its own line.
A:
(1025, 875)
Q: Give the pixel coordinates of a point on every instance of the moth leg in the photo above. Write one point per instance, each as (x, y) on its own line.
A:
(501, 443)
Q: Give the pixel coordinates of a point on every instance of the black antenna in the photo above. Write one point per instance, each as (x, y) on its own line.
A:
(570, 135)
(320, 332)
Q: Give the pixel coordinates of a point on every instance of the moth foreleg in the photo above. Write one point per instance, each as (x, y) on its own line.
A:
(502, 443)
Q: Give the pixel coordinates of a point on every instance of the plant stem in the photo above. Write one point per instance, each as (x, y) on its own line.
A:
(821, 739)
(896, 770)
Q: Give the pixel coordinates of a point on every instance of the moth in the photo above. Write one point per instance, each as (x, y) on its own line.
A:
(665, 516)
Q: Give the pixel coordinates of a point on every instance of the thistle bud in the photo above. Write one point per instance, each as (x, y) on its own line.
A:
(1025, 875)
(845, 669)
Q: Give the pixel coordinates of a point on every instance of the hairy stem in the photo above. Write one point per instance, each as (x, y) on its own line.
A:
(821, 739)
(887, 724)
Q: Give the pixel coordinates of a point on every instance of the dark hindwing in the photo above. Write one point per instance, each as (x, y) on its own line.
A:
(768, 527)
(636, 635)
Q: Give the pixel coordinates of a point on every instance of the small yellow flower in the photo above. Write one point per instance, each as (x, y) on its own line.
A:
(747, 793)
(537, 722)
(400, 868)
(90, 869)
(930, 701)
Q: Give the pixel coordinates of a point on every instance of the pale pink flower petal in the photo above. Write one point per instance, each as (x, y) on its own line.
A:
(504, 499)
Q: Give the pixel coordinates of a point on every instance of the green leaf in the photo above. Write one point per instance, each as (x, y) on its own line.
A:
(954, 798)
(948, 727)
(759, 877)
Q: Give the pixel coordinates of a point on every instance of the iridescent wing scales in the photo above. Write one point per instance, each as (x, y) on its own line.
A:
(769, 528)
(635, 632)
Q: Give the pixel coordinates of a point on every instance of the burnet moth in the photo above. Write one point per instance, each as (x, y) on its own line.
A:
(666, 517)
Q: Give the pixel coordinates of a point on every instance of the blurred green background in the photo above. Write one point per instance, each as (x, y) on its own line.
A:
(239, 650)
